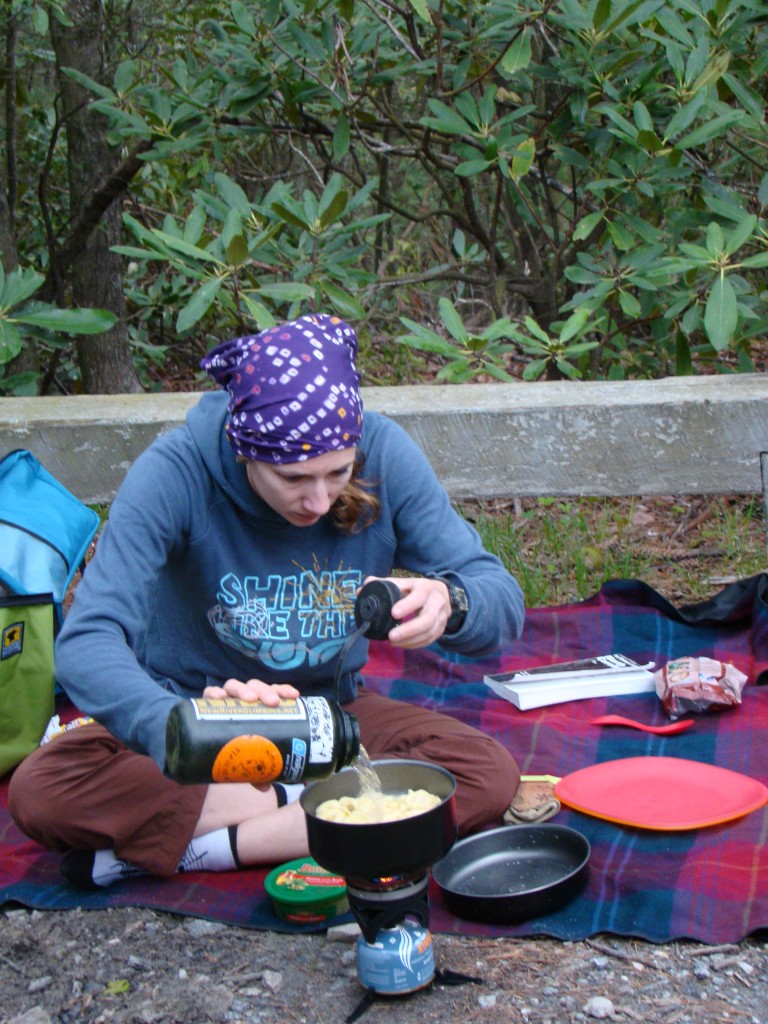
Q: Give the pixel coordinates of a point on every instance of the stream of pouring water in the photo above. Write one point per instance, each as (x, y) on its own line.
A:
(370, 783)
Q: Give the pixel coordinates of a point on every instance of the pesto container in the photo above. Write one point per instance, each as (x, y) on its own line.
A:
(304, 893)
(230, 740)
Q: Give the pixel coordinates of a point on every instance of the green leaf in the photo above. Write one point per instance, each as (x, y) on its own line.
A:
(198, 305)
(342, 301)
(18, 286)
(243, 19)
(622, 238)
(536, 331)
(715, 240)
(10, 342)
(334, 209)
(602, 12)
(341, 137)
(446, 119)
(535, 368)
(259, 312)
(587, 224)
(683, 358)
(287, 291)
(626, 10)
(90, 84)
(70, 321)
(721, 313)
(711, 129)
(436, 344)
(691, 319)
(231, 228)
(685, 115)
(518, 56)
(759, 260)
(290, 217)
(523, 158)
(452, 320)
(194, 225)
(186, 248)
(232, 194)
(629, 304)
(649, 141)
(422, 9)
(741, 233)
(574, 324)
(643, 119)
(124, 76)
(469, 168)
(40, 20)
(237, 251)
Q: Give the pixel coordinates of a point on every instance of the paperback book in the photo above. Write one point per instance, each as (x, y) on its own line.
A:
(605, 675)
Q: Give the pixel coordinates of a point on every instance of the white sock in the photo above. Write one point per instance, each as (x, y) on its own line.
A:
(107, 868)
(211, 852)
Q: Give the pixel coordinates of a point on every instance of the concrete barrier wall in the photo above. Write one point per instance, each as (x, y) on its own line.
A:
(682, 435)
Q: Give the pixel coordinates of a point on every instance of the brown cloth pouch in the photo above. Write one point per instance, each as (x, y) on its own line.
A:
(698, 684)
(534, 801)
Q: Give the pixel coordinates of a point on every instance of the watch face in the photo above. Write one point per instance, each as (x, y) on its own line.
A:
(459, 601)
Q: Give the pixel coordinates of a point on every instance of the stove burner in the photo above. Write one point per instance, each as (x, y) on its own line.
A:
(384, 902)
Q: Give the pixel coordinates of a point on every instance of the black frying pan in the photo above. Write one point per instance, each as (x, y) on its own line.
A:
(513, 873)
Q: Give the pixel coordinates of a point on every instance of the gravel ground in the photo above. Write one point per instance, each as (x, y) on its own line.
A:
(141, 967)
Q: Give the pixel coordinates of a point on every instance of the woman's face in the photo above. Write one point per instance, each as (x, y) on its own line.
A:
(302, 492)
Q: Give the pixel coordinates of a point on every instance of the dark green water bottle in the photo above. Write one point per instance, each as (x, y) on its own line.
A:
(230, 740)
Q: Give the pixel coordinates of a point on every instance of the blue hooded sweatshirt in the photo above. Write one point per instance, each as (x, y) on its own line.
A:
(196, 580)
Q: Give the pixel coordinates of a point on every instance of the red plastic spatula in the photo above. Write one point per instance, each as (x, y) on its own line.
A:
(660, 730)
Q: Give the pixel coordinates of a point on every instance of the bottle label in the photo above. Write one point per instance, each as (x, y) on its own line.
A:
(295, 762)
(252, 759)
(230, 709)
(321, 730)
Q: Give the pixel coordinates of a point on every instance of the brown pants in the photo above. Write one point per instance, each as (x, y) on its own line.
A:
(85, 790)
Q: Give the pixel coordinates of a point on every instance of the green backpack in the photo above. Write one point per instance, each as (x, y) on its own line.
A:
(45, 533)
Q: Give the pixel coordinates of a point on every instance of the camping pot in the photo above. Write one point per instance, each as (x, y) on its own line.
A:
(383, 849)
(514, 873)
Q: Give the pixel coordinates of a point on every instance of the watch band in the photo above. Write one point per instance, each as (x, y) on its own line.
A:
(459, 602)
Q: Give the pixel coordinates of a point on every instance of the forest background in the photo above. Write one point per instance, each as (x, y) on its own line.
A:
(486, 189)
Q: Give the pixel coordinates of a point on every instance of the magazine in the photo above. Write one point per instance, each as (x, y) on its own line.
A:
(605, 675)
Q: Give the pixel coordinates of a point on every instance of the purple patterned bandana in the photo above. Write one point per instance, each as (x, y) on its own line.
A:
(293, 389)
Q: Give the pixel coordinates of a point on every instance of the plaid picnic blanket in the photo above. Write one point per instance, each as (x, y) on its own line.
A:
(708, 884)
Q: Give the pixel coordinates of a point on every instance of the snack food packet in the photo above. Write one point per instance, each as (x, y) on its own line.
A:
(698, 684)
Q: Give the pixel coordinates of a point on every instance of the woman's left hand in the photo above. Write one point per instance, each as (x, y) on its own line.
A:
(422, 612)
(253, 690)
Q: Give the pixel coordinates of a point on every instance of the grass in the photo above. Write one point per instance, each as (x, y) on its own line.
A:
(563, 550)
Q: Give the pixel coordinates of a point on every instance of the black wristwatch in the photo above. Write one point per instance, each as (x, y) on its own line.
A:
(459, 603)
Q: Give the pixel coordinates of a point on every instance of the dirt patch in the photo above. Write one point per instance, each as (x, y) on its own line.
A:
(142, 967)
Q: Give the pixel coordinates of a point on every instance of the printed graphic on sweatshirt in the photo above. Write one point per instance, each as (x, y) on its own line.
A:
(285, 622)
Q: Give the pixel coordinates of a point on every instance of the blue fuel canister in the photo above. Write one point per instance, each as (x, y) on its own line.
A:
(400, 960)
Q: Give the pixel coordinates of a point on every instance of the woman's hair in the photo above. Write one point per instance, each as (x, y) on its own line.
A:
(356, 508)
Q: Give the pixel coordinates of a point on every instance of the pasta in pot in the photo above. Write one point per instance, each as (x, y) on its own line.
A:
(370, 809)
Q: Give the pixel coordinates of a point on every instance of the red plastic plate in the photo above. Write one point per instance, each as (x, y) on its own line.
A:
(664, 793)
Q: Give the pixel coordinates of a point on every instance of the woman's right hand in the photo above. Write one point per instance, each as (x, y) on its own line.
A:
(254, 690)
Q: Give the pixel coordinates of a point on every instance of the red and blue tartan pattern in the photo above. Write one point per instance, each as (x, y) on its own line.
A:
(709, 885)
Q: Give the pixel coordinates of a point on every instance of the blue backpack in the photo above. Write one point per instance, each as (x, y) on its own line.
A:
(45, 533)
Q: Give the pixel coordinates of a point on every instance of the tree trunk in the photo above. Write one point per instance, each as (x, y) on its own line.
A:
(96, 275)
